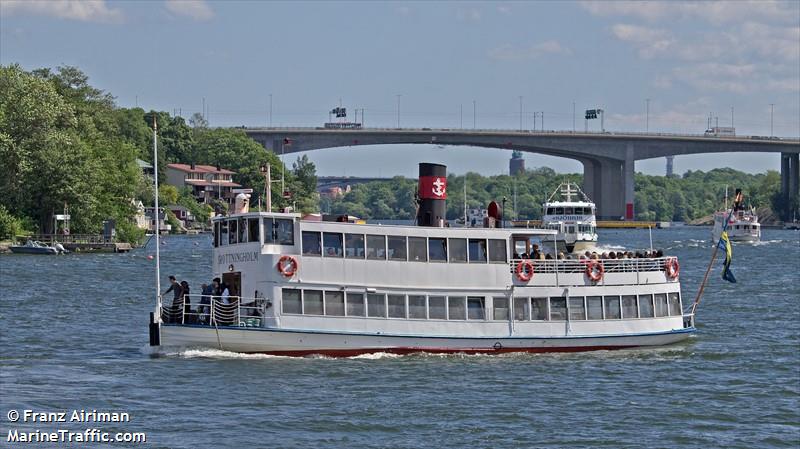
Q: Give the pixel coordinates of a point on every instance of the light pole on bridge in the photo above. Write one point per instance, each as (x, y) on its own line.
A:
(520, 113)
(474, 115)
(771, 115)
(398, 109)
(647, 116)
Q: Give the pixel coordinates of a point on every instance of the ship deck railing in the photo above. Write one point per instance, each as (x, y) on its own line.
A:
(213, 311)
(565, 266)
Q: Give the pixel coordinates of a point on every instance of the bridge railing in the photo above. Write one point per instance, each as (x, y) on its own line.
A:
(528, 132)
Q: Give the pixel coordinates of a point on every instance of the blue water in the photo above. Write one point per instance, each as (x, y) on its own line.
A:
(73, 335)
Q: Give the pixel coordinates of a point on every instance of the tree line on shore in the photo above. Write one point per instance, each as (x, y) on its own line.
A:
(693, 195)
(64, 142)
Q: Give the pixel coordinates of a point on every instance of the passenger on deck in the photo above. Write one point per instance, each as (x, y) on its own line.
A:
(205, 300)
(177, 298)
(548, 257)
(187, 308)
(659, 253)
(225, 293)
(561, 256)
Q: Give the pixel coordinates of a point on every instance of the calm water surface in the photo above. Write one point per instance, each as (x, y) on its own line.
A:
(73, 335)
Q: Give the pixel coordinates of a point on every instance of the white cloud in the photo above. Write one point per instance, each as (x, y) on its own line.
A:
(195, 9)
(755, 52)
(716, 12)
(510, 53)
(650, 42)
(503, 9)
(81, 10)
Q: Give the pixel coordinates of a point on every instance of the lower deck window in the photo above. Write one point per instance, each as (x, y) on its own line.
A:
(500, 306)
(558, 308)
(476, 309)
(577, 311)
(397, 306)
(675, 308)
(334, 303)
(376, 305)
(629, 308)
(437, 308)
(612, 309)
(522, 309)
(539, 309)
(594, 307)
(312, 302)
(291, 301)
(456, 309)
(417, 308)
(661, 304)
(355, 304)
(645, 306)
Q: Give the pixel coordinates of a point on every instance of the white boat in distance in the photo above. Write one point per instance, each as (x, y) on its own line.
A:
(743, 225)
(573, 220)
(342, 289)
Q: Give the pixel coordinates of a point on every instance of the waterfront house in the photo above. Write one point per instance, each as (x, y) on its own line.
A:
(206, 181)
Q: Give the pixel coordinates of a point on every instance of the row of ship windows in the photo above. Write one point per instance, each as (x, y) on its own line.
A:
(570, 229)
(398, 247)
(379, 305)
(570, 211)
(278, 231)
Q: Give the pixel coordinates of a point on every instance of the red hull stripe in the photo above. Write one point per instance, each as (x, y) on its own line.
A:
(409, 350)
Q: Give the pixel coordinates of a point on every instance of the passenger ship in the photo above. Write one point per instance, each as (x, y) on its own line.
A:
(743, 224)
(574, 220)
(342, 289)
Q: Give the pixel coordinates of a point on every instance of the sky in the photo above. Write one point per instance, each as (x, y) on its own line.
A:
(453, 64)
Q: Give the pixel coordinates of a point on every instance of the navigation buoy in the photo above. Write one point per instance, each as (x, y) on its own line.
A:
(149, 257)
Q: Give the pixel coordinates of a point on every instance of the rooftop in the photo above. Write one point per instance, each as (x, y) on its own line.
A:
(200, 169)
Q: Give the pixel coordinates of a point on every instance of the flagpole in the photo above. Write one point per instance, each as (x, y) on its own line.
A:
(158, 224)
(713, 257)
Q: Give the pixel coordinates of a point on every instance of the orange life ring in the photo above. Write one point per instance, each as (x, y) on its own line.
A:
(525, 270)
(593, 274)
(287, 269)
(672, 267)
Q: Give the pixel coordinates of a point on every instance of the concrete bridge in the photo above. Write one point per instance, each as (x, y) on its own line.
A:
(608, 158)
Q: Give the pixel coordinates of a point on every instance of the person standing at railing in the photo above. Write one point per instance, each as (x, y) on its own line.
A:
(205, 301)
(187, 308)
(177, 298)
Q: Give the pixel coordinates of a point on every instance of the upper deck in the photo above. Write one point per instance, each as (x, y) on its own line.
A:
(432, 258)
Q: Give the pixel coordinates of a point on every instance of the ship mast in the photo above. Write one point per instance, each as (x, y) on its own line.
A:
(157, 222)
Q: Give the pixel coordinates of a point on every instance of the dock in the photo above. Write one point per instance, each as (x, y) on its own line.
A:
(82, 242)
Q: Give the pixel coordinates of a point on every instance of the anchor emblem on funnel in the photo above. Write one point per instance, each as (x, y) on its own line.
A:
(438, 187)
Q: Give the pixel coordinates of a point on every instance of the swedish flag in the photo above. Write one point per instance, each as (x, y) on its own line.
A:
(725, 245)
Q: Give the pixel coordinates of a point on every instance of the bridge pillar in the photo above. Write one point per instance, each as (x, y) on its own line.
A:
(607, 184)
(628, 174)
(790, 184)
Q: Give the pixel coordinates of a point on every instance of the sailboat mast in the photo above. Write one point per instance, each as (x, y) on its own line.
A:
(157, 221)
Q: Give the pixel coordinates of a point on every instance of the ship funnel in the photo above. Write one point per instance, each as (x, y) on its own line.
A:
(432, 194)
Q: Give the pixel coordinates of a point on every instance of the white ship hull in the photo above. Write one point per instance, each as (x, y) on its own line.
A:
(300, 343)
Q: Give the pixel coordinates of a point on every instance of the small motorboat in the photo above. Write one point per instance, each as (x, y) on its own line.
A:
(37, 247)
